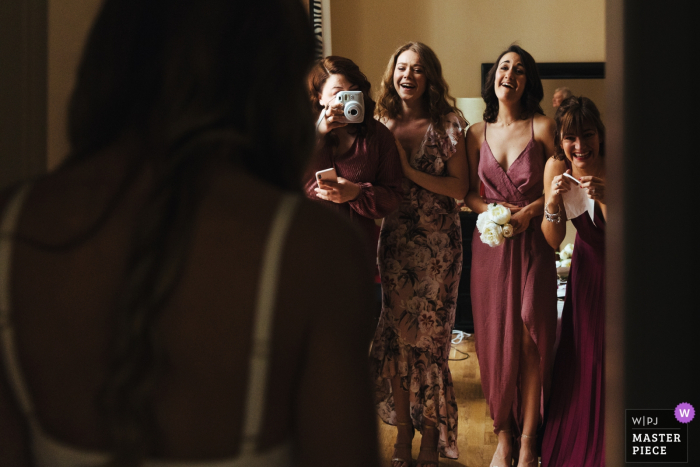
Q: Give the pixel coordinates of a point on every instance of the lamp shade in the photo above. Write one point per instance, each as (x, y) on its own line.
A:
(472, 108)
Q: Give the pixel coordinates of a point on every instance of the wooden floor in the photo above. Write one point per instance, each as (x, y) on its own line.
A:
(476, 440)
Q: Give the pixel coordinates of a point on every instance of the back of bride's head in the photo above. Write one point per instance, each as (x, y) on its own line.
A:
(177, 70)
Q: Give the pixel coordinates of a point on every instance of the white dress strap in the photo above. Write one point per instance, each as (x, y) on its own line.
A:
(15, 378)
(262, 327)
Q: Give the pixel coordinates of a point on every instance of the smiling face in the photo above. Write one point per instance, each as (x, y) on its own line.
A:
(410, 79)
(334, 84)
(582, 149)
(510, 79)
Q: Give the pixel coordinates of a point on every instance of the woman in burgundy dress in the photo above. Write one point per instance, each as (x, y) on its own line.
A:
(513, 285)
(574, 433)
(364, 154)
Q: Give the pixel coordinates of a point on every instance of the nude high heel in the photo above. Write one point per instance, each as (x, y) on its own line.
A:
(508, 459)
(408, 460)
(434, 457)
(529, 463)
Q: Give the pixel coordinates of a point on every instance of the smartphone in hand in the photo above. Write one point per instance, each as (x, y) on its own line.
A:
(327, 174)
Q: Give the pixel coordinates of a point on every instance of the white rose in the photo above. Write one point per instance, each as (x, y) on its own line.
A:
(508, 230)
(499, 214)
(565, 263)
(567, 251)
(483, 220)
(492, 235)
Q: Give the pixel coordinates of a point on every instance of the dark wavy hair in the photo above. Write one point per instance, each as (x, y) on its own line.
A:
(191, 79)
(335, 65)
(437, 100)
(532, 96)
(572, 115)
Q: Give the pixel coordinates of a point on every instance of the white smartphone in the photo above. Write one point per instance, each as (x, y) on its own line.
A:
(572, 178)
(327, 174)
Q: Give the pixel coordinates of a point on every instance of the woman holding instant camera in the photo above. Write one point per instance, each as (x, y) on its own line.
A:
(420, 258)
(365, 183)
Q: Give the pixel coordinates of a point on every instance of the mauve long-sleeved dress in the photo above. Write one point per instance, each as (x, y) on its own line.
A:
(374, 164)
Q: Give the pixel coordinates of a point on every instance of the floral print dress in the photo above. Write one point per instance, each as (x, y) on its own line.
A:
(420, 263)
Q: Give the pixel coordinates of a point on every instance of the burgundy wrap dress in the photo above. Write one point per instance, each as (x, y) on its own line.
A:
(513, 284)
(574, 433)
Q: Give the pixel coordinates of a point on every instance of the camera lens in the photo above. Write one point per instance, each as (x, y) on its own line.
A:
(353, 112)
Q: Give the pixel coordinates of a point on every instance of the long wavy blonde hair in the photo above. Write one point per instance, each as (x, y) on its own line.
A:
(437, 100)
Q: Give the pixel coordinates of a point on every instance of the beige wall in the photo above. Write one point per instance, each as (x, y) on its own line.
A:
(69, 22)
(466, 33)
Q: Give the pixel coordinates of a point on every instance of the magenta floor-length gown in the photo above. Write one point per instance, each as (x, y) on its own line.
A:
(512, 284)
(574, 431)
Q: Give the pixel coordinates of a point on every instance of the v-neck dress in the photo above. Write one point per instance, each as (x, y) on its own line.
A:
(513, 284)
(420, 263)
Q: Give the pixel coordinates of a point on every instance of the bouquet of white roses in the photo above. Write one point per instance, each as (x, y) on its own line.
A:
(493, 224)
(565, 256)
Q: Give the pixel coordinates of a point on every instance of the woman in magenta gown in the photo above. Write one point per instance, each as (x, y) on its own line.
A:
(513, 285)
(574, 432)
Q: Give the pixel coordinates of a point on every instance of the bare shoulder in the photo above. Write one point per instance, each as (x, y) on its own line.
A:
(544, 127)
(554, 167)
(387, 122)
(475, 133)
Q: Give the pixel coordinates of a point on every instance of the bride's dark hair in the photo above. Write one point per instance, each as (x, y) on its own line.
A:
(191, 79)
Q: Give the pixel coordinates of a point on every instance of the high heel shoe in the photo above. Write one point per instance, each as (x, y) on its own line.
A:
(533, 460)
(406, 447)
(433, 457)
(507, 459)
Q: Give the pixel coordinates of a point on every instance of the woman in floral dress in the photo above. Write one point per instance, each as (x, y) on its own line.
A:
(420, 257)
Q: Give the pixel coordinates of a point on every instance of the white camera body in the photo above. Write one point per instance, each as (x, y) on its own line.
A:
(353, 105)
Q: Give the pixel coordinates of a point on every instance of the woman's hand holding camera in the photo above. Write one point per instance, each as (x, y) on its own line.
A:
(338, 192)
(332, 113)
